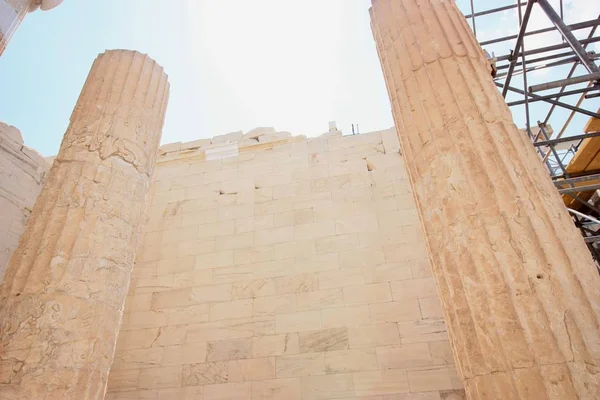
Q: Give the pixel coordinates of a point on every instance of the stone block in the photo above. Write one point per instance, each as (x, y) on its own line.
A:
(176, 266)
(254, 223)
(346, 277)
(431, 307)
(300, 365)
(275, 345)
(433, 378)
(158, 378)
(367, 294)
(422, 331)
(325, 387)
(228, 391)
(314, 230)
(232, 242)
(283, 304)
(201, 374)
(195, 144)
(187, 315)
(233, 274)
(346, 316)
(170, 147)
(409, 289)
(213, 293)
(354, 360)
(361, 223)
(139, 302)
(185, 393)
(231, 309)
(220, 228)
(335, 210)
(404, 252)
(320, 299)
(388, 272)
(171, 298)
(441, 352)
(408, 356)
(373, 335)
(396, 311)
(145, 319)
(184, 354)
(273, 236)
(299, 321)
(123, 379)
(372, 383)
(9, 132)
(296, 248)
(227, 138)
(367, 258)
(254, 288)
(232, 349)
(258, 132)
(284, 188)
(214, 260)
(252, 369)
(391, 144)
(323, 340)
(276, 389)
(296, 283)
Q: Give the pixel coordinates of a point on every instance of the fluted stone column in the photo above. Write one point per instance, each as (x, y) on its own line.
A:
(520, 291)
(62, 301)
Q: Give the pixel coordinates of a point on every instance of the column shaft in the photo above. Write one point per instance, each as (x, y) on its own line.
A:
(520, 291)
(62, 300)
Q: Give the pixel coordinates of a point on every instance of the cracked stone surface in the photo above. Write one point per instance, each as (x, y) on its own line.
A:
(62, 300)
(520, 292)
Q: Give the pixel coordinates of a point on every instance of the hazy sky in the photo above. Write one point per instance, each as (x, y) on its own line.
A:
(233, 64)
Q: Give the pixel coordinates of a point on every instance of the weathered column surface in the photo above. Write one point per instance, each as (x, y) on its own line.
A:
(62, 301)
(519, 288)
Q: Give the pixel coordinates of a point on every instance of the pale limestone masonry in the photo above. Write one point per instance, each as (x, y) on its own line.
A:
(520, 291)
(22, 172)
(62, 301)
(283, 268)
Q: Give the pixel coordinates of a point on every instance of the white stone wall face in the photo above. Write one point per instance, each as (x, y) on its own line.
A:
(292, 269)
(22, 172)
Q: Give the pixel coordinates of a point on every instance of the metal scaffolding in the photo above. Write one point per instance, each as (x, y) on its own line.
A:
(559, 87)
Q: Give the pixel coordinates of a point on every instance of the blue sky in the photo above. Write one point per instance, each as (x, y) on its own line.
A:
(233, 64)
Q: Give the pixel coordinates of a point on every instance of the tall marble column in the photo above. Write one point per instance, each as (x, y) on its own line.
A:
(520, 291)
(62, 300)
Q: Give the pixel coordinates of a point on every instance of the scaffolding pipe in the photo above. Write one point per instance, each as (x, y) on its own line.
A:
(558, 103)
(580, 179)
(553, 95)
(552, 142)
(579, 189)
(574, 27)
(550, 48)
(570, 74)
(582, 215)
(571, 116)
(518, 45)
(495, 10)
(565, 82)
(564, 30)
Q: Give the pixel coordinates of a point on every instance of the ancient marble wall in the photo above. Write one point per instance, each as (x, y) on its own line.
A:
(275, 267)
(22, 172)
